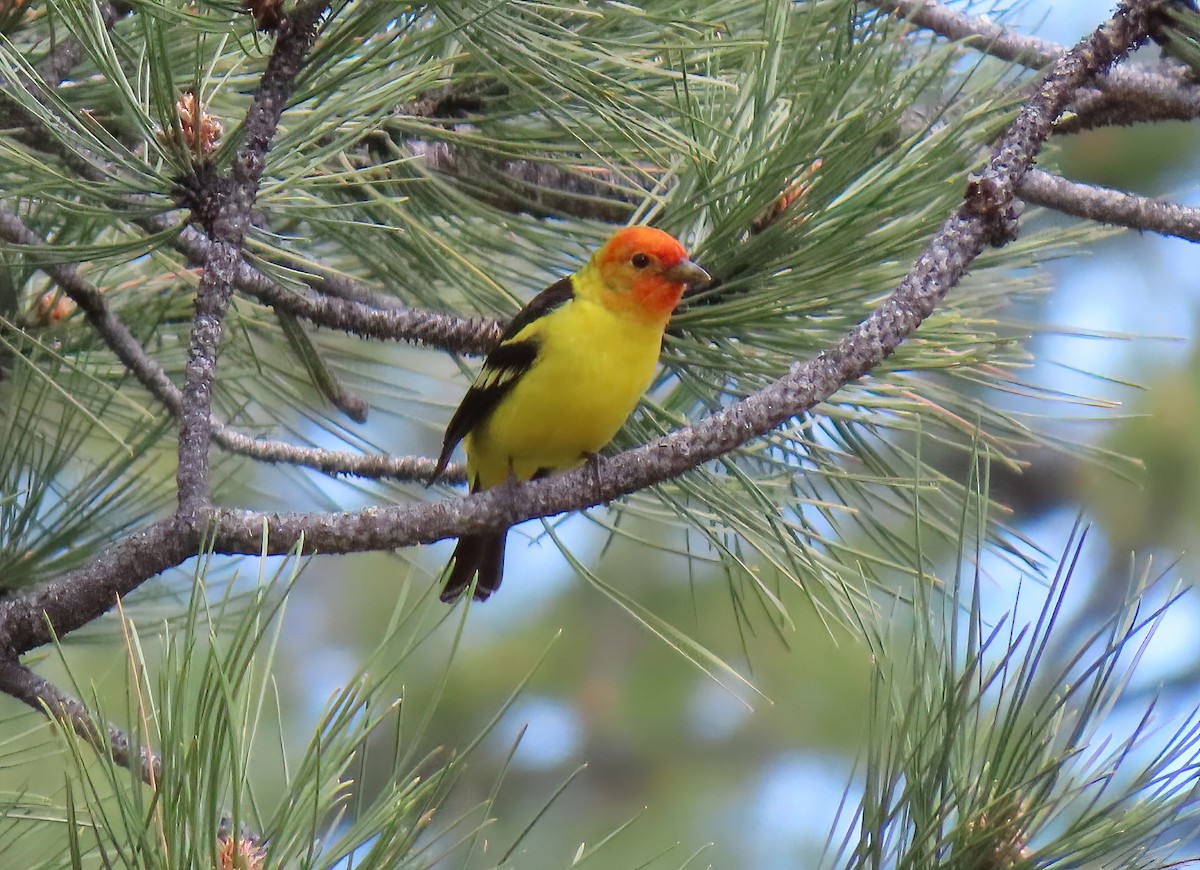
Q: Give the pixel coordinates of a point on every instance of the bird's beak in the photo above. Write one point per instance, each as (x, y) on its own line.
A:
(687, 273)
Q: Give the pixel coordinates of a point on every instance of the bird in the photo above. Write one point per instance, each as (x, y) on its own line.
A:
(567, 373)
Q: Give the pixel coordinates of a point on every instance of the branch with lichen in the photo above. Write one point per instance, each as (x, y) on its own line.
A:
(1107, 206)
(222, 206)
(342, 303)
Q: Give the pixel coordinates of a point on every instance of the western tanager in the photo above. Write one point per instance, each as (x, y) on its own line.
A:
(567, 372)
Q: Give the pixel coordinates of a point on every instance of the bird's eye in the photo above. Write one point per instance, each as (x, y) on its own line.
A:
(640, 261)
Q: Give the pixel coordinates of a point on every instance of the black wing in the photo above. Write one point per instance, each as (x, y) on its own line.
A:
(552, 297)
(501, 370)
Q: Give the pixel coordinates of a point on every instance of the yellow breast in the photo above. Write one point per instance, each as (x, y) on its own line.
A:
(593, 365)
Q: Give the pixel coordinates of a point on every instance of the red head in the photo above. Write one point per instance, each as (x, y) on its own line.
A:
(645, 270)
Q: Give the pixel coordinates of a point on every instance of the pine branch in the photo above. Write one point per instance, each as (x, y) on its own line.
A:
(363, 312)
(978, 32)
(401, 324)
(358, 309)
(987, 216)
(530, 186)
(528, 183)
(15, 679)
(369, 314)
(51, 72)
(109, 741)
(149, 373)
(66, 55)
(1111, 206)
(1122, 96)
(536, 187)
(336, 462)
(56, 66)
(92, 303)
(223, 208)
(1125, 107)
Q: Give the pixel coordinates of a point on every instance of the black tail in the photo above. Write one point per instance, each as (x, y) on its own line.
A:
(476, 554)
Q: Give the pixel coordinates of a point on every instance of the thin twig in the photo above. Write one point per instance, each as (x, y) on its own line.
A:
(345, 304)
(95, 307)
(121, 341)
(374, 466)
(331, 387)
(108, 740)
(378, 318)
(471, 336)
(535, 187)
(1111, 206)
(986, 216)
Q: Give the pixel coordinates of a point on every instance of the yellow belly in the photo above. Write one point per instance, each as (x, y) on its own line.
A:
(586, 381)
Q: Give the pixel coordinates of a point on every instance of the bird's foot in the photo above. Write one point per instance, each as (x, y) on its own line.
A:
(592, 462)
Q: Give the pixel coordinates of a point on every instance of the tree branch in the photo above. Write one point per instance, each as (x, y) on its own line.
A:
(987, 216)
(539, 188)
(224, 209)
(149, 373)
(368, 313)
(978, 32)
(65, 56)
(108, 740)
(1124, 107)
(94, 588)
(95, 307)
(1111, 206)
(531, 185)
(396, 322)
(335, 462)
(359, 309)
(53, 70)
(1130, 94)
(352, 307)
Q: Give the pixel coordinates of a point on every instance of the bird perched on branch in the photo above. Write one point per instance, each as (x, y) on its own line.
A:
(567, 373)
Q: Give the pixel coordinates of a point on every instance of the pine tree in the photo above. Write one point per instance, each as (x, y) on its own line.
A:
(235, 237)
